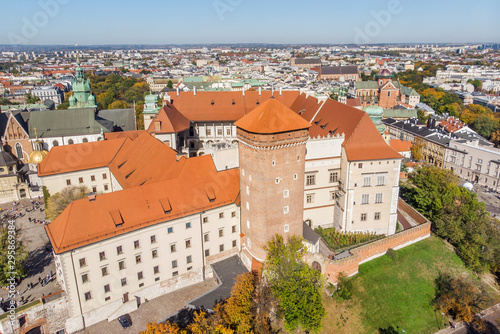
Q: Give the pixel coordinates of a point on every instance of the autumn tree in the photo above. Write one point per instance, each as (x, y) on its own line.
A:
(495, 138)
(295, 285)
(59, 201)
(239, 307)
(458, 296)
(473, 111)
(204, 323)
(166, 328)
(118, 104)
(485, 125)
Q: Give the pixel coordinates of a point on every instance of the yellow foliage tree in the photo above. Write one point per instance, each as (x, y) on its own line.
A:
(473, 111)
(59, 201)
(166, 328)
(240, 305)
(119, 104)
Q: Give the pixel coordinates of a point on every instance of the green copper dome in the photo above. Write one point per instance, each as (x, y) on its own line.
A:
(82, 93)
(376, 113)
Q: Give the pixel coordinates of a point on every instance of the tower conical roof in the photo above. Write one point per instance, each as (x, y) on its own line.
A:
(272, 116)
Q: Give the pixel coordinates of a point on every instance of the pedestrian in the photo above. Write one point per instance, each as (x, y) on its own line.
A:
(39, 279)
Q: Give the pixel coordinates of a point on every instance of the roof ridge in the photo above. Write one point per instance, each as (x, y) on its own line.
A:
(353, 131)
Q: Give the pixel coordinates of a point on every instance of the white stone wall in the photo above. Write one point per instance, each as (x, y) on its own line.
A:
(48, 142)
(55, 183)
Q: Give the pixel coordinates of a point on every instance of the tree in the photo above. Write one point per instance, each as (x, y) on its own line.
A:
(166, 328)
(295, 285)
(485, 125)
(422, 118)
(59, 201)
(170, 84)
(344, 286)
(478, 84)
(31, 99)
(458, 296)
(495, 138)
(118, 104)
(205, 324)
(416, 150)
(12, 254)
(473, 111)
(239, 307)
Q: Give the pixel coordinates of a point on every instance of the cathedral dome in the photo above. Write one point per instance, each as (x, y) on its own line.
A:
(384, 73)
(37, 156)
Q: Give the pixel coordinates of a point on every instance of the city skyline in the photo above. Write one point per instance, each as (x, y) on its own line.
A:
(65, 22)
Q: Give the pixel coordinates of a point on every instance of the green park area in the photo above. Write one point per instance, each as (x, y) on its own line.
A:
(398, 290)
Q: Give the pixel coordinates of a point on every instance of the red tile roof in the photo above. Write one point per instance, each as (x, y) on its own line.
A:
(399, 145)
(224, 106)
(171, 121)
(124, 134)
(85, 222)
(272, 116)
(71, 158)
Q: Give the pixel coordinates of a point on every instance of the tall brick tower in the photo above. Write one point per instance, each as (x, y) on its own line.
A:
(272, 162)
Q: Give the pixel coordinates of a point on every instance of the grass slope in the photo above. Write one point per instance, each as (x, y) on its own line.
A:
(399, 292)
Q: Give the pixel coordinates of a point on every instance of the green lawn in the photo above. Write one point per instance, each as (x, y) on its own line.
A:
(399, 292)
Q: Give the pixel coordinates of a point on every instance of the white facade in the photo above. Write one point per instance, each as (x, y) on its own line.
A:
(98, 180)
(108, 278)
(49, 93)
(49, 142)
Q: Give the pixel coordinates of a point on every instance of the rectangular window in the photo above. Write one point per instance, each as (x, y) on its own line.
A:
(365, 199)
(209, 132)
(228, 131)
(379, 198)
(219, 132)
(104, 271)
(363, 217)
(221, 215)
(206, 237)
(310, 198)
(136, 244)
(83, 262)
(124, 281)
(92, 177)
(153, 239)
(137, 259)
(121, 265)
(205, 219)
(80, 180)
(377, 215)
(102, 256)
(207, 252)
(156, 270)
(106, 188)
(88, 296)
(139, 275)
(104, 176)
(286, 210)
(68, 182)
(310, 180)
(367, 181)
(234, 243)
(94, 189)
(221, 248)
(381, 180)
(233, 229)
(286, 193)
(170, 230)
(174, 264)
(233, 214)
(332, 195)
(188, 225)
(107, 288)
(154, 253)
(85, 278)
(188, 243)
(119, 250)
(189, 259)
(334, 177)
(221, 233)
(172, 248)
(360, 165)
(175, 273)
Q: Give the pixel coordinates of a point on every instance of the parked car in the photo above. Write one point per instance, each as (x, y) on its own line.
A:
(125, 321)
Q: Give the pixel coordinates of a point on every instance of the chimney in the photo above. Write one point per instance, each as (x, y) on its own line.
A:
(281, 91)
(194, 90)
(260, 91)
(177, 91)
(243, 91)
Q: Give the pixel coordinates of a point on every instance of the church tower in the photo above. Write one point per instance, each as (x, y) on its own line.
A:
(82, 94)
(272, 153)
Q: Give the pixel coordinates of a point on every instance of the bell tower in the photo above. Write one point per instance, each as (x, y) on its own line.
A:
(272, 151)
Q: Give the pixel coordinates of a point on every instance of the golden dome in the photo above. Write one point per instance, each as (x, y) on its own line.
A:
(37, 156)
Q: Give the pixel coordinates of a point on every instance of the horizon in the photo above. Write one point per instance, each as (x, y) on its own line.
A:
(225, 22)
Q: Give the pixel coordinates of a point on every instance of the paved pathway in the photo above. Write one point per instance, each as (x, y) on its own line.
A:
(40, 261)
(154, 310)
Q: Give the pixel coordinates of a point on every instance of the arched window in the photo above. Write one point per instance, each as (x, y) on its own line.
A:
(19, 151)
(70, 142)
(55, 143)
(85, 140)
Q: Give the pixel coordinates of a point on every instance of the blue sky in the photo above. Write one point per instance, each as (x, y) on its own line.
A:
(248, 21)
